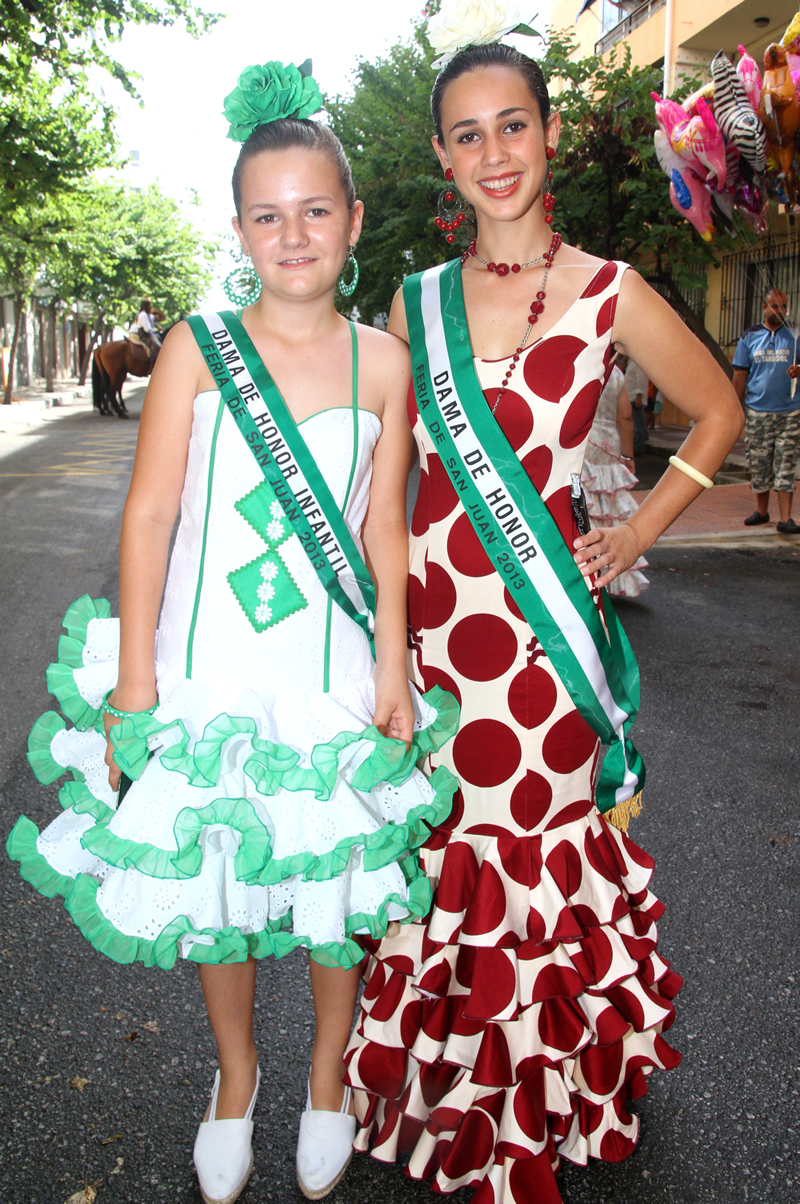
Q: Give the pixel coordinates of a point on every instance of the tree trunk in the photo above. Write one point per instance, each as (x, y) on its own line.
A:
(49, 347)
(19, 309)
(87, 355)
(692, 320)
(75, 365)
(58, 344)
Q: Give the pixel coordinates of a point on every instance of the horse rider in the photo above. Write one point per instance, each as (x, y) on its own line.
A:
(147, 330)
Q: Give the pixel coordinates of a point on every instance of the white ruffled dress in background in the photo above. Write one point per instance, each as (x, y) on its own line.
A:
(607, 482)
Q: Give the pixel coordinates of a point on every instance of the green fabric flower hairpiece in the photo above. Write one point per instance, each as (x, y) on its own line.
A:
(267, 93)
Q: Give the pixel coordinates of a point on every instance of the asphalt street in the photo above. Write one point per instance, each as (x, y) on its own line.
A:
(106, 1068)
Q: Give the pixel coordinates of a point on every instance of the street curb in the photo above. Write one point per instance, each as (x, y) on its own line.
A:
(728, 539)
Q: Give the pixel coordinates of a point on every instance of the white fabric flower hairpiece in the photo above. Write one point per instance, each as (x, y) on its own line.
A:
(463, 23)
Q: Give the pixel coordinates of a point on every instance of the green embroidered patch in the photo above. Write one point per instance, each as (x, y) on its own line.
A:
(264, 588)
(262, 510)
(266, 591)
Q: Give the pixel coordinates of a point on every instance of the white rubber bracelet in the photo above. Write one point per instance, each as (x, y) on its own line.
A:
(691, 472)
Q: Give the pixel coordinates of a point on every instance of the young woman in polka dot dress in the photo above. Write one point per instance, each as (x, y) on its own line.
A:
(510, 1028)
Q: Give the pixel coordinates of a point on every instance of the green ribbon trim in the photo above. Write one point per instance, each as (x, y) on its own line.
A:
(41, 760)
(292, 438)
(60, 676)
(33, 866)
(275, 766)
(460, 386)
(254, 863)
(227, 945)
(78, 796)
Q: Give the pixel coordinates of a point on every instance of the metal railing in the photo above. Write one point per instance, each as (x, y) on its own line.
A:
(695, 298)
(638, 17)
(746, 278)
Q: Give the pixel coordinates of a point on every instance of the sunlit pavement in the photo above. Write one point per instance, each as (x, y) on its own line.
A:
(717, 638)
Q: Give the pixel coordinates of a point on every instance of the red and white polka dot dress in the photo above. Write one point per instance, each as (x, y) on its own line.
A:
(512, 1026)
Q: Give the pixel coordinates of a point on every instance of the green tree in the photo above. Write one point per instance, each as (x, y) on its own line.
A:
(105, 246)
(120, 245)
(385, 128)
(68, 36)
(49, 142)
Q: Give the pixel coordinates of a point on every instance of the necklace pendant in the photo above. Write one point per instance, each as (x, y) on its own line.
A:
(502, 269)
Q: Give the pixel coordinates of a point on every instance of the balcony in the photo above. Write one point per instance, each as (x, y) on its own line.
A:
(638, 17)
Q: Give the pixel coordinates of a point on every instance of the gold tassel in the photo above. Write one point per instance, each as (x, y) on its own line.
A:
(621, 815)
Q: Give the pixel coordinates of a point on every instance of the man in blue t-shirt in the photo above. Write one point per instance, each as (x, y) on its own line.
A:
(764, 369)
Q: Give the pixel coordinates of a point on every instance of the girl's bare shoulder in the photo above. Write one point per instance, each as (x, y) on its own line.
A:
(574, 257)
(181, 356)
(382, 348)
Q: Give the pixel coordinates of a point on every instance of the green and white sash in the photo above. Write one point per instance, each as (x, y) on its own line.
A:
(262, 416)
(518, 533)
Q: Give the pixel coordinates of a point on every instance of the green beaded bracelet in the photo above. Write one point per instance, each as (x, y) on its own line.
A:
(125, 714)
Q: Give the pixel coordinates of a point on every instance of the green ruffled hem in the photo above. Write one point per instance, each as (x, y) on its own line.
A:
(60, 676)
(225, 945)
(274, 767)
(33, 866)
(254, 863)
(45, 767)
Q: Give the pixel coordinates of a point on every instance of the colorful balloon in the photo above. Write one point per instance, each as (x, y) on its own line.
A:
(697, 140)
(780, 114)
(668, 160)
(701, 137)
(698, 211)
(682, 193)
(705, 93)
(734, 114)
(791, 39)
(749, 74)
(726, 199)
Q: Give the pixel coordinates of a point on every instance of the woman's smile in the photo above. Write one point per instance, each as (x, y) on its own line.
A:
(501, 186)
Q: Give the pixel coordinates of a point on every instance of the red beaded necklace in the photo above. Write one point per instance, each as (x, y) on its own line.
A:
(537, 306)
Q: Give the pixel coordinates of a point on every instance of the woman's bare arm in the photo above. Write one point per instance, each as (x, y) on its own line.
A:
(652, 334)
(398, 322)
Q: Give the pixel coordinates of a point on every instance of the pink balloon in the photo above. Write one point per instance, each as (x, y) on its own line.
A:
(699, 212)
(698, 140)
(749, 74)
(667, 159)
(672, 121)
(668, 114)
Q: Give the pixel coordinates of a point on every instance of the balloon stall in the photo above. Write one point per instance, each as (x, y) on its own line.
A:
(734, 144)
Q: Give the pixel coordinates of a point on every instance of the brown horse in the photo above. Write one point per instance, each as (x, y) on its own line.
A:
(111, 363)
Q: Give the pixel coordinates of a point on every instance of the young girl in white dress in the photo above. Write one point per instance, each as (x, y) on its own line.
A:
(275, 801)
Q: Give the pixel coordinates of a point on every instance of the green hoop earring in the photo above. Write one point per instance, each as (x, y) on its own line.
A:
(347, 290)
(242, 287)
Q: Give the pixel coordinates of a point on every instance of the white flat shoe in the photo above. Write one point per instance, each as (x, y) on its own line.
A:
(223, 1151)
(324, 1147)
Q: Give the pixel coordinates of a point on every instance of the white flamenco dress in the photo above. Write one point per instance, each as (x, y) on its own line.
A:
(266, 812)
(607, 482)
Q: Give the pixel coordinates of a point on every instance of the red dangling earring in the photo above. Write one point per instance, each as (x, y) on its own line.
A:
(548, 198)
(449, 220)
